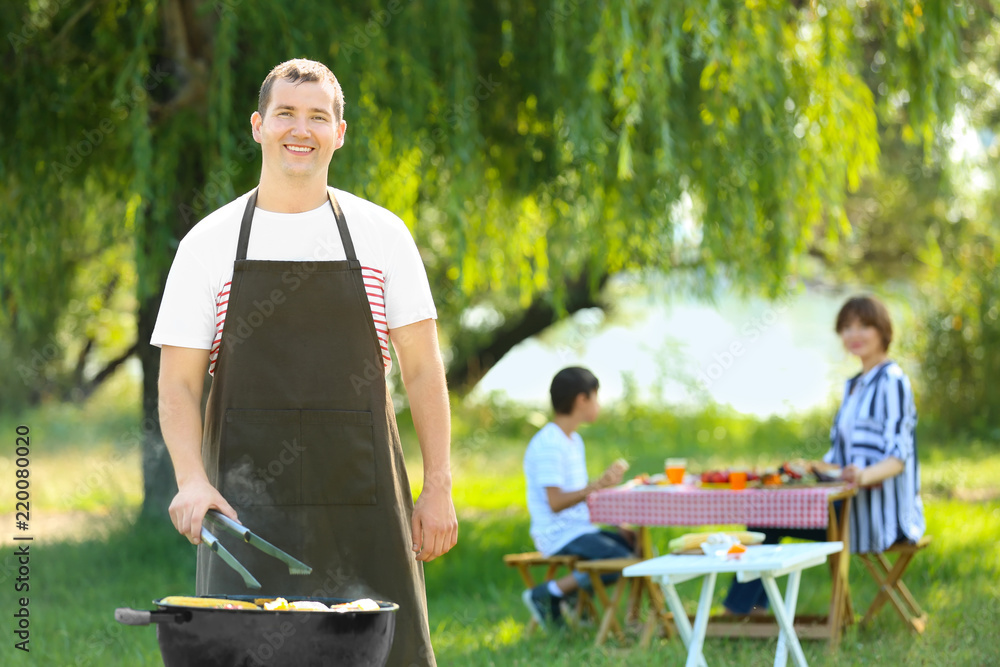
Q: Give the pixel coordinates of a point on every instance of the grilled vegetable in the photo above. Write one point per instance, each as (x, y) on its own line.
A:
(209, 603)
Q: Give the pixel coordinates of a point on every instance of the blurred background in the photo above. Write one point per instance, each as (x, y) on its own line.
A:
(678, 195)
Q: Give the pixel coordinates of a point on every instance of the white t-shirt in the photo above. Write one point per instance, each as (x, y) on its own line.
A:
(555, 459)
(195, 298)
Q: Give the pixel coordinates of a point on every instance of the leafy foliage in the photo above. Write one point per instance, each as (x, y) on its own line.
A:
(528, 145)
(961, 334)
(926, 223)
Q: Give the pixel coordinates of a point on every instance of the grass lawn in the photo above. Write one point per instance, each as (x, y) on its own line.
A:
(89, 557)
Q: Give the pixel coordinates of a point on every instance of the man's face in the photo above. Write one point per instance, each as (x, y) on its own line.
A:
(298, 133)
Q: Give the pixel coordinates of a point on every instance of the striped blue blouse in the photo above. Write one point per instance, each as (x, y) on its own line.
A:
(876, 420)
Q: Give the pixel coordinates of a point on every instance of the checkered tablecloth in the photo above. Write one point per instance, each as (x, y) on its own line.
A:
(690, 506)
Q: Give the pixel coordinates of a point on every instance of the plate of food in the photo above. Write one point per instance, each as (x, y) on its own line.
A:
(690, 544)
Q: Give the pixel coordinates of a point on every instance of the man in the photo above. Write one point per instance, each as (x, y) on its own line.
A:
(288, 296)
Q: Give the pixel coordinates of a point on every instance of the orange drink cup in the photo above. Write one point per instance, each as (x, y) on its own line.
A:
(675, 470)
(737, 480)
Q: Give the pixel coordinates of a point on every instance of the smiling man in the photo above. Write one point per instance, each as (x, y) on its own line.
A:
(289, 296)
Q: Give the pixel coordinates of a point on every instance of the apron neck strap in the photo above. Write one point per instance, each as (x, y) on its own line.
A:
(241, 247)
(345, 233)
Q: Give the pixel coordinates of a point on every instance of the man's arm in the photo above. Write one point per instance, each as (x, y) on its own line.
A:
(435, 527)
(182, 370)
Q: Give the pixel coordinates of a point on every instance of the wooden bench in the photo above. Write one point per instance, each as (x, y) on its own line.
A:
(609, 623)
(889, 577)
(523, 562)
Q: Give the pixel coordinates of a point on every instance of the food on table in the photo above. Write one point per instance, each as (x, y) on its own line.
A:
(695, 540)
(208, 603)
(770, 479)
(715, 477)
(723, 545)
(826, 472)
(796, 468)
(793, 471)
(724, 476)
(801, 469)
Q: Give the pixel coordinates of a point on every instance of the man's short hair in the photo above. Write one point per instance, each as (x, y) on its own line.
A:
(870, 312)
(301, 70)
(567, 385)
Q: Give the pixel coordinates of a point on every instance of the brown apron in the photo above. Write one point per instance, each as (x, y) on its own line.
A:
(300, 437)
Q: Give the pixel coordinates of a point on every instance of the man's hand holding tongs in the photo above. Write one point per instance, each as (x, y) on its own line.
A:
(192, 502)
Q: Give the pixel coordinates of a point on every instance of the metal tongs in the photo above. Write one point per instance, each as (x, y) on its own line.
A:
(294, 566)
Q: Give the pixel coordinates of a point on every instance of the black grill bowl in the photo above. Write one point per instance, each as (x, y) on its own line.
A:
(200, 637)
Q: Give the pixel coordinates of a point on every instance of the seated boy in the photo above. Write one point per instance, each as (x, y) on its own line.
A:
(555, 468)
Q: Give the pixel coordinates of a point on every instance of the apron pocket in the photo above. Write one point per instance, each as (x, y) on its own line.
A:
(338, 461)
(260, 457)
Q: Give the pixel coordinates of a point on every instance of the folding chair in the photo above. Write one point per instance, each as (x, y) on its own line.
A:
(523, 562)
(889, 577)
(609, 622)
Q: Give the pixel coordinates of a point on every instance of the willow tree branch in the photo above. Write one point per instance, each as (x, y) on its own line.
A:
(72, 21)
(474, 357)
(90, 387)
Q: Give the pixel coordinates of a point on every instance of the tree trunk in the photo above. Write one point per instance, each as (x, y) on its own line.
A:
(157, 470)
(187, 51)
(474, 356)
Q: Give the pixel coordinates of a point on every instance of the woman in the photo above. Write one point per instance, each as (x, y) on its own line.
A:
(872, 440)
(873, 436)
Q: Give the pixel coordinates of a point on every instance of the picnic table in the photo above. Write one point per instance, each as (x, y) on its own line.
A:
(765, 562)
(786, 506)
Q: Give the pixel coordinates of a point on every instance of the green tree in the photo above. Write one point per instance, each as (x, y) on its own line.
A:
(535, 148)
(926, 224)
